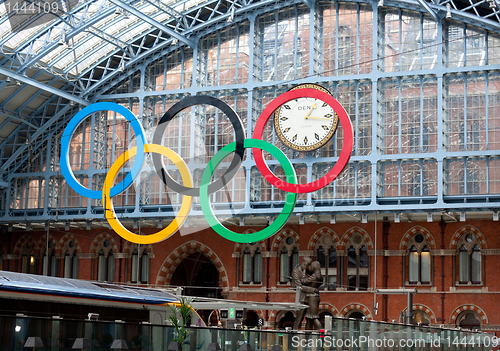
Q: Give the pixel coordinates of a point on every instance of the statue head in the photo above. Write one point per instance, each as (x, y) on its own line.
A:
(306, 261)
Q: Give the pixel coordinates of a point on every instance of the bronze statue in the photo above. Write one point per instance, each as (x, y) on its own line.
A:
(306, 276)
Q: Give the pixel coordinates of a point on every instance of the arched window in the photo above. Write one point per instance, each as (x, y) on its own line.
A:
(251, 264)
(469, 259)
(71, 263)
(28, 262)
(50, 262)
(140, 266)
(289, 258)
(105, 262)
(469, 320)
(326, 255)
(357, 263)
(420, 317)
(419, 260)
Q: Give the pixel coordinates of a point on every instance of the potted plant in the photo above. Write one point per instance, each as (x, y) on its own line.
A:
(181, 333)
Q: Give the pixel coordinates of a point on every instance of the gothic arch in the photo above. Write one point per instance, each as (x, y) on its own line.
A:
(403, 245)
(238, 247)
(22, 242)
(66, 239)
(99, 239)
(424, 308)
(318, 234)
(324, 306)
(351, 232)
(129, 247)
(42, 244)
(468, 229)
(282, 235)
(355, 306)
(180, 253)
(473, 308)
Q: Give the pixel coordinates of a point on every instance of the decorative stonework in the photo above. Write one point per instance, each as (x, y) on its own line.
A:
(22, 242)
(424, 308)
(357, 307)
(64, 244)
(99, 240)
(324, 237)
(129, 248)
(403, 245)
(282, 235)
(180, 253)
(323, 306)
(473, 308)
(367, 241)
(41, 246)
(468, 229)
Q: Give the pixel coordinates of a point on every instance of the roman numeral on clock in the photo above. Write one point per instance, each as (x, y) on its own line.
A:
(316, 136)
(305, 140)
(325, 127)
(286, 130)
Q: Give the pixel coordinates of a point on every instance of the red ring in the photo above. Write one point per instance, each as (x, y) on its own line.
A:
(344, 155)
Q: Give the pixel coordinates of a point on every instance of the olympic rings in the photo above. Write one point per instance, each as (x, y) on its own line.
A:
(206, 188)
(181, 215)
(66, 140)
(278, 223)
(239, 150)
(344, 155)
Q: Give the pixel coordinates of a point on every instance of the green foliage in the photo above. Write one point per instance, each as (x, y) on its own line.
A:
(184, 312)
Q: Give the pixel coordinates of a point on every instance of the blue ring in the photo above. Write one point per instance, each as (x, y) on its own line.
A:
(66, 140)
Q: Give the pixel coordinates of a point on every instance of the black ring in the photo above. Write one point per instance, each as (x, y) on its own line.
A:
(238, 154)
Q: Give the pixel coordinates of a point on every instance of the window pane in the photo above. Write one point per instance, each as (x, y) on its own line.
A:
(426, 267)
(134, 268)
(413, 268)
(101, 270)
(284, 264)
(75, 266)
(351, 258)
(363, 282)
(476, 266)
(67, 266)
(247, 268)
(144, 268)
(257, 268)
(320, 253)
(363, 257)
(463, 267)
(351, 282)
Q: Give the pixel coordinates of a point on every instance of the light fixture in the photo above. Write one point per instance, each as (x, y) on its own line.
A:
(333, 219)
(126, 15)
(89, 225)
(364, 218)
(429, 217)
(160, 223)
(492, 4)
(34, 342)
(8, 80)
(175, 41)
(301, 219)
(495, 216)
(122, 66)
(119, 344)
(82, 343)
(397, 217)
(448, 11)
(462, 216)
(230, 19)
(242, 221)
(380, 3)
(18, 83)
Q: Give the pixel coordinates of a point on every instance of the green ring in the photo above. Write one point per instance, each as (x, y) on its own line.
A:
(278, 223)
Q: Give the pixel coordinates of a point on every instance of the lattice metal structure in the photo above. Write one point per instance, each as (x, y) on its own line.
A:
(419, 79)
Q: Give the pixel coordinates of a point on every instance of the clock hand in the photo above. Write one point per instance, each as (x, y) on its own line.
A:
(309, 117)
(313, 106)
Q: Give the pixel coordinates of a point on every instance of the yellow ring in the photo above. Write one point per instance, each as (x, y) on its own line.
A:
(181, 215)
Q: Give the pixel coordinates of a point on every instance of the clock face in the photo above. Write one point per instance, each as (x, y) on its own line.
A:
(306, 123)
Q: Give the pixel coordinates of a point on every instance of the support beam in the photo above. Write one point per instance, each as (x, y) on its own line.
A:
(429, 10)
(42, 86)
(153, 22)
